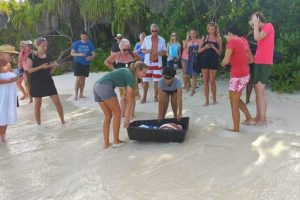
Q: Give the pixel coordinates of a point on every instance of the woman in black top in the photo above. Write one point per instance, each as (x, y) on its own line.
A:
(210, 52)
(40, 67)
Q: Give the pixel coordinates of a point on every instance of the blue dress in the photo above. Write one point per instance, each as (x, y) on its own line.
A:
(192, 51)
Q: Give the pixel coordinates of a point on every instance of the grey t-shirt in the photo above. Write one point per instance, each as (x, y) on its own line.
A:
(175, 85)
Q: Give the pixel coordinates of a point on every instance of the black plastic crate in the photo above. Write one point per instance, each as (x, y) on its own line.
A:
(160, 135)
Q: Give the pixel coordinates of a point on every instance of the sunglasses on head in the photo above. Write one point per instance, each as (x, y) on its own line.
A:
(126, 49)
(154, 31)
(173, 35)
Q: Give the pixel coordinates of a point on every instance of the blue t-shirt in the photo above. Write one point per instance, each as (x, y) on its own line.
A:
(83, 47)
(137, 48)
(175, 85)
(174, 50)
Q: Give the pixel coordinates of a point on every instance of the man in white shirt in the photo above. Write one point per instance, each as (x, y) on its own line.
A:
(154, 47)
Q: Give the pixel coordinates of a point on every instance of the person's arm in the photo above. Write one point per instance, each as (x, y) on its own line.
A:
(75, 54)
(258, 35)
(226, 58)
(109, 61)
(218, 50)
(136, 56)
(179, 100)
(129, 102)
(160, 105)
(168, 46)
(31, 69)
(179, 51)
(11, 80)
(201, 46)
(92, 57)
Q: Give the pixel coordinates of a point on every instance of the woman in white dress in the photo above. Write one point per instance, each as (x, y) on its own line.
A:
(8, 91)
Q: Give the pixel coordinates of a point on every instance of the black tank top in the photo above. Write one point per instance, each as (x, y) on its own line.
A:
(122, 65)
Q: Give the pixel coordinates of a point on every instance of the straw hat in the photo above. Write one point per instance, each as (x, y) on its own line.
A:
(7, 49)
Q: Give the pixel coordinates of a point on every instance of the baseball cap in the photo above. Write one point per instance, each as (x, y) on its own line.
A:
(169, 72)
(119, 35)
(5, 48)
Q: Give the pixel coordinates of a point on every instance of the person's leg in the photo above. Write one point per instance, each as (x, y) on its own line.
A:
(113, 105)
(174, 104)
(21, 88)
(184, 78)
(81, 87)
(37, 109)
(205, 75)
(77, 86)
(234, 102)
(132, 109)
(194, 84)
(145, 91)
(59, 108)
(213, 86)
(249, 91)
(155, 91)
(244, 109)
(261, 103)
(106, 123)
(3, 132)
(123, 106)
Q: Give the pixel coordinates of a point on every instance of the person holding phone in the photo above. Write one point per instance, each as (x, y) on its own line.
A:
(40, 67)
(83, 52)
(263, 60)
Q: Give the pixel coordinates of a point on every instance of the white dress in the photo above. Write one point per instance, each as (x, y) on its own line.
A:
(8, 100)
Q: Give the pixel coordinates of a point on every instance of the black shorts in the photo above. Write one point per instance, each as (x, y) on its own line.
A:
(81, 69)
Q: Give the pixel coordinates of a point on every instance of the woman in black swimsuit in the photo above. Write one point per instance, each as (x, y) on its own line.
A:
(211, 50)
(119, 60)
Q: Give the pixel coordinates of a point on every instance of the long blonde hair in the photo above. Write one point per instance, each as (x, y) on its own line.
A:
(214, 24)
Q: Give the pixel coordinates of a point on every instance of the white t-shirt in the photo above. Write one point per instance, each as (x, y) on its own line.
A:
(147, 44)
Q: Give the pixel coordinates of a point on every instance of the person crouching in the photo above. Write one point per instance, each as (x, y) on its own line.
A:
(169, 89)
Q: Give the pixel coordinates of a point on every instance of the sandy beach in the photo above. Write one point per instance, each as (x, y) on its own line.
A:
(57, 161)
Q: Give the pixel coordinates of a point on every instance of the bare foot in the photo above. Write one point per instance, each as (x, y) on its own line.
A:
(31, 101)
(229, 129)
(143, 101)
(81, 96)
(155, 99)
(260, 123)
(249, 122)
(214, 103)
(75, 98)
(192, 93)
(205, 105)
(106, 146)
(23, 97)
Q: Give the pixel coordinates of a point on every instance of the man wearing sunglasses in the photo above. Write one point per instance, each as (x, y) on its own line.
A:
(170, 90)
(154, 47)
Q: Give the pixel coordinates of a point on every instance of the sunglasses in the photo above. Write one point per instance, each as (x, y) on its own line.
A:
(126, 49)
(173, 35)
(168, 77)
(155, 31)
(119, 38)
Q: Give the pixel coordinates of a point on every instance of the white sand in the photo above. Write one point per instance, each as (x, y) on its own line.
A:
(68, 162)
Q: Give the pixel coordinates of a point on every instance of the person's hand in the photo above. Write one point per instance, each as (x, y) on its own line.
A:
(14, 79)
(179, 116)
(45, 66)
(160, 118)
(212, 46)
(223, 64)
(207, 46)
(255, 20)
(126, 122)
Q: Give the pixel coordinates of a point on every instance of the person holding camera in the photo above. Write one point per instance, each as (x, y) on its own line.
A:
(40, 67)
(263, 60)
(173, 51)
(210, 52)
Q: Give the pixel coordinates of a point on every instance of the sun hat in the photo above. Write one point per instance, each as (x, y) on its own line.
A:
(119, 36)
(5, 48)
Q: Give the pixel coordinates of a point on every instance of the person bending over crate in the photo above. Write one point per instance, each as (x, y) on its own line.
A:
(169, 89)
(106, 97)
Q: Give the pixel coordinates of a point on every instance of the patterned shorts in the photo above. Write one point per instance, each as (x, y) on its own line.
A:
(238, 84)
(154, 72)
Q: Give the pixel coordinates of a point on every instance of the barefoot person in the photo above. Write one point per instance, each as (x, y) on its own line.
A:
(21, 70)
(154, 47)
(264, 35)
(40, 67)
(211, 50)
(84, 51)
(238, 54)
(122, 59)
(169, 90)
(106, 97)
(8, 91)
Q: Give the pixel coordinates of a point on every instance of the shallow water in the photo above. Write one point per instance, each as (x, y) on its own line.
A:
(67, 161)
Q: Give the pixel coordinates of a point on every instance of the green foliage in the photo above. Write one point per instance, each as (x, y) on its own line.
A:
(98, 63)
